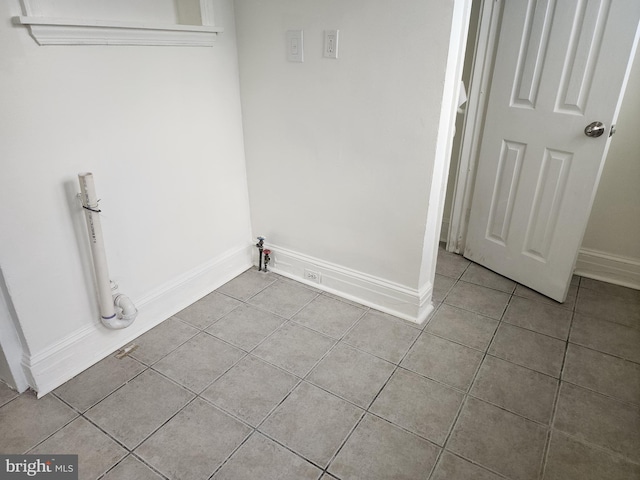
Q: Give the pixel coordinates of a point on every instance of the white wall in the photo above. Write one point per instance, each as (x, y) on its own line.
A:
(160, 128)
(341, 153)
(612, 239)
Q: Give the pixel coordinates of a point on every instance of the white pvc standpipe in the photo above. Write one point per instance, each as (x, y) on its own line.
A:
(116, 311)
(90, 204)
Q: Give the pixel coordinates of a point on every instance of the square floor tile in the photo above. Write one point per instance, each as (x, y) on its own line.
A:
(296, 349)
(283, 298)
(570, 459)
(485, 277)
(451, 264)
(539, 317)
(569, 303)
(25, 421)
(247, 284)
(246, 327)
(600, 420)
(378, 450)
(351, 374)
(444, 361)
(194, 443)
(251, 389)
(131, 468)
(96, 452)
(312, 422)
(95, 383)
(382, 335)
(528, 349)
(199, 361)
(603, 373)
(609, 307)
(517, 389)
(441, 287)
(420, 405)
(207, 310)
(452, 467)
(134, 411)
(482, 300)
(463, 327)
(329, 316)
(607, 337)
(499, 440)
(6, 393)
(161, 340)
(264, 459)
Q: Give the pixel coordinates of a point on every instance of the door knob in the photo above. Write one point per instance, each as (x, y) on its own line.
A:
(594, 129)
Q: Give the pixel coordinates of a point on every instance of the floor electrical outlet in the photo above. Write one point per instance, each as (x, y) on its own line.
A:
(311, 276)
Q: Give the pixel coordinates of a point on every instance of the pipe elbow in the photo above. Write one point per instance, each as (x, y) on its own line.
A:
(126, 313)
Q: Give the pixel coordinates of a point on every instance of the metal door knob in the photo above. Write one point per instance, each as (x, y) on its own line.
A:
(594, 129)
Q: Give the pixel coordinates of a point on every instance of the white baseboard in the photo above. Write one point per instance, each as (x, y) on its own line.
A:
(389, 297)
(608, 268)
(50, 368)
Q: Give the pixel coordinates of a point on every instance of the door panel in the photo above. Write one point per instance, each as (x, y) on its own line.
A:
(559, 65)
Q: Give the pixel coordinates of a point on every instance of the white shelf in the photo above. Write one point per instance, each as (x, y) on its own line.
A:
(67, 31)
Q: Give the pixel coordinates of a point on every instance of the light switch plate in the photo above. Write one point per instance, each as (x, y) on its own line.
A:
(295, 46)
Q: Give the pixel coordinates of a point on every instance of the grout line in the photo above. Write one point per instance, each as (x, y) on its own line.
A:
(232, 453)
(472, 462)
(344, 441)
(52, 434)
(467, 395)
(367, 410)
(606, 395)
(140, 459)
(172, 349)
(82, 412)
(148, 465)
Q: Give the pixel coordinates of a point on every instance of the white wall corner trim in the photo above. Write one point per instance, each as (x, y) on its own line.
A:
(388, 297)
(608, 268)
(61, 361)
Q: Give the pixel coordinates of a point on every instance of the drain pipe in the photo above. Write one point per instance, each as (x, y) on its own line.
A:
(116, 310)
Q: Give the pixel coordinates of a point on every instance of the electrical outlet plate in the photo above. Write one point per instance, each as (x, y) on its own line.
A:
(312, 275)
(331, 44)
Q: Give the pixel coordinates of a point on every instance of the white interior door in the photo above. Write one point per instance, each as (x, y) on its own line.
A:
(559, 66)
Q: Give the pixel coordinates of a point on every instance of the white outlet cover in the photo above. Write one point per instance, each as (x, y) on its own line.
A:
(312, 276)
(331, 44)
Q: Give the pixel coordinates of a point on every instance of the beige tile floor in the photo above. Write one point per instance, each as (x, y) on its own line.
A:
(268, 379)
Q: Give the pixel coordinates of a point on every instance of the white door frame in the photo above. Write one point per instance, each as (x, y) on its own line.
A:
(479, 86)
